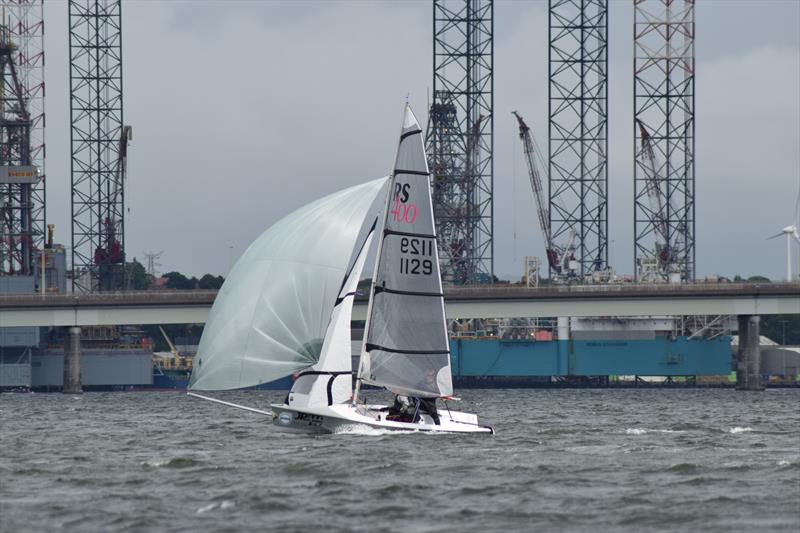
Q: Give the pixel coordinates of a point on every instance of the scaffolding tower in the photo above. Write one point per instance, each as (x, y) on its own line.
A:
(578, 131)
(664, 207)
(459, 139)
(98, 144)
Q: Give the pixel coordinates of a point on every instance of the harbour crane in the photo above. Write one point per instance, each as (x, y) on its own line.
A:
(110, 251)
(473, 144)
(666, 252)
(177, 359)
(559, 259)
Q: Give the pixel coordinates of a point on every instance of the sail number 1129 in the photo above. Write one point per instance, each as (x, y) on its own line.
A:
(418, 249)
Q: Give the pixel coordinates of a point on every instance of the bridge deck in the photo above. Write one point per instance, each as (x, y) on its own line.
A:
(171, 307)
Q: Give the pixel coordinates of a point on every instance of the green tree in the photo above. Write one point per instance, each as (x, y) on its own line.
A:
(752, 279)
(210, 281)
(137, 277)
(176, 280)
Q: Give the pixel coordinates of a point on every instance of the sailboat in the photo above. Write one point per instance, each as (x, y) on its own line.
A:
(299, 322)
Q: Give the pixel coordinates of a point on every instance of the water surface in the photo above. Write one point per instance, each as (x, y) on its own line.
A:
(571, 460)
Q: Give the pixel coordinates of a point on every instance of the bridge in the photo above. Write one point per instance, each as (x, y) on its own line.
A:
(747, 301)
(494, 301)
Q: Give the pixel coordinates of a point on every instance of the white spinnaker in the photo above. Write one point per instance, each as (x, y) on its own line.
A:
(406, 348)
(271, 314)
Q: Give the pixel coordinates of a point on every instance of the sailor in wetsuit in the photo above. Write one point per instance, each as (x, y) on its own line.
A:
(428, 405)
(405, 409)
(402, 410)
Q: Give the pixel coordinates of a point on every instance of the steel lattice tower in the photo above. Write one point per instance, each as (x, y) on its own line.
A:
(450, 190)
(664, 208)
(98, 201)
(18, 177)
(578, 131)
(460, 138)
(23, 205)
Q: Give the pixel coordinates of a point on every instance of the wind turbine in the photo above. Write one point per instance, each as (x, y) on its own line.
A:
(789, 231)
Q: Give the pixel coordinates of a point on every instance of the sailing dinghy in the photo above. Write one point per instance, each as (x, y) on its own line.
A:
(286, 309)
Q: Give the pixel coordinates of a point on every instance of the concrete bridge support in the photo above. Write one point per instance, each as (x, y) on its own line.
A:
(72, 362)
(748, 358)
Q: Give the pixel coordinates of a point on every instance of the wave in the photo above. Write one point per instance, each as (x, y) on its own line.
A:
(643, 431)
(224, 504)
(367, 431)
(684, 468)
(174, 462)
(738, 429)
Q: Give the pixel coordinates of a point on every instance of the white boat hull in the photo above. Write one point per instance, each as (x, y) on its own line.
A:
(345, 417)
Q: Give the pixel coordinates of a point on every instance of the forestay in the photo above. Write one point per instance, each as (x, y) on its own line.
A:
(270, 316)
(406, 348)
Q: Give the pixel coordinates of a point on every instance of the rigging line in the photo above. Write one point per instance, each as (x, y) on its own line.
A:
(230, 404)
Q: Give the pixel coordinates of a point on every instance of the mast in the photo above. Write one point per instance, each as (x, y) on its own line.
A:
(379, 233)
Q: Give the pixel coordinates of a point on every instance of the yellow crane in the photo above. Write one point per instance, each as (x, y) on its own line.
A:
(178, 361)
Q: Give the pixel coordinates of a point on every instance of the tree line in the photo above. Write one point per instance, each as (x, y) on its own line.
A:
(133, 276)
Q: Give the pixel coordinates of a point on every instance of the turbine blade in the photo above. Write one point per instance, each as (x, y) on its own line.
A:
(775, 236)
(797, 208)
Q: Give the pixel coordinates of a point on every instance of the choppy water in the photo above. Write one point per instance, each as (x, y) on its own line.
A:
(575, 460)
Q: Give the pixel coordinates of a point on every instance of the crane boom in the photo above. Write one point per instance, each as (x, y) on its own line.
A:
(122, 162)
(473, 146)
(110, 250)
(172, 348)
(653, 184)
(553, 254)
(666, 251)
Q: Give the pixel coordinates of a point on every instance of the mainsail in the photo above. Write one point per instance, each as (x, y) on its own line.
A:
(406, 348)
(270, 317)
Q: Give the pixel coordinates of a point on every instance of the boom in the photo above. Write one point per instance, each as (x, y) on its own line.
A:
(111, 252)
(653, 185)
(554, 258)
(666, 251)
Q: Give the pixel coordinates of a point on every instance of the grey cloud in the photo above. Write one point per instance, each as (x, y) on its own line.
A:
(243, 111)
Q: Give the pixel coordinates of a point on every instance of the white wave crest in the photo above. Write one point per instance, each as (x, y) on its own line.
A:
(643, 431)
(738, 429)
(224, 504)
(156, 463)
(368, 431)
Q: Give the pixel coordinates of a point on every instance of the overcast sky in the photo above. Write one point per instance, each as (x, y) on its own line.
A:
(244, 111)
